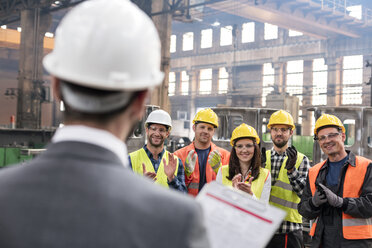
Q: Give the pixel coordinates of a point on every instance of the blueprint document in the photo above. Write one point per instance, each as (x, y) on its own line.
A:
(235, 219)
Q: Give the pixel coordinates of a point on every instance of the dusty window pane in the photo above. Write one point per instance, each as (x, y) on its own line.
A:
(248, 32)
(206, 38)
(223, 80)
(184, 83)
(267, 81)
(188, 41)
(271, 32)
(320, 77)
(355, 11)
(173, 40)
(205, 84)
(293, 33)
(226, 36)
(294, 84)
(352, 79)
(172, 84)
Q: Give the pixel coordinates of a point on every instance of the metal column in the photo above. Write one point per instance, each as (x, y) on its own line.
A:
(34, 24)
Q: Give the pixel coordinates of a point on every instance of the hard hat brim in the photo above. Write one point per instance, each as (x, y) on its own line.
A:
(92, 104)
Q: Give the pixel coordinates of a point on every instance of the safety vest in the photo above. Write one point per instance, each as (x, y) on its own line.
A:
(257, 185)
(282, 194)
(192, 181)
(140, 156)
(352, 228)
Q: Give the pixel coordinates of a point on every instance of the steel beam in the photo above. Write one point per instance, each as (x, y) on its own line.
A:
(30, 89)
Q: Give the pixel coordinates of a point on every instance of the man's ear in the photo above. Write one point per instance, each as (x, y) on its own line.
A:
(56, 89)
(193, 127)
(138, 105)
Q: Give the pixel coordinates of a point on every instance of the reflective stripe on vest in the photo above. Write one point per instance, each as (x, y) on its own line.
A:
(140, 156)
(257, 185)
(352, 228)
(282, 194)
(193, 186)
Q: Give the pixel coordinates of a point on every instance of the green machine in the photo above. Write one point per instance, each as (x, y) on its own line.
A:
(19, 145)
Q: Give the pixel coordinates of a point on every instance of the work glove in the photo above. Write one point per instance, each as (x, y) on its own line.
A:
(319, 198)
(292, 158)
(190, 162)
(263, 157)
(214, 160)
(333, 199)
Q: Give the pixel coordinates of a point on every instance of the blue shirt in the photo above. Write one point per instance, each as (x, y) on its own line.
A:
(202, 159)
(334, 170)
(178, 182)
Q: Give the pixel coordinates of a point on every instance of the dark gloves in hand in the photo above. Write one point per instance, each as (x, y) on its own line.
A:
(292, 158)
(319, 198)
(333, 199)
(263, 157)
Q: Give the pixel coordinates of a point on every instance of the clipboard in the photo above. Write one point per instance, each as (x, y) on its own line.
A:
(234, 219)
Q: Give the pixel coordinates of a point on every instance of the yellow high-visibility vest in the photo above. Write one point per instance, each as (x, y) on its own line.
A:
(282, 194)
(257, 185)
(138, 157)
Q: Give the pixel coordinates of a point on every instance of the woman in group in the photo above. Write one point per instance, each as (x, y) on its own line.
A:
(244, 171)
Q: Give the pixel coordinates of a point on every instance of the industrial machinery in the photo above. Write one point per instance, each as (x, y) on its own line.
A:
(358, 126)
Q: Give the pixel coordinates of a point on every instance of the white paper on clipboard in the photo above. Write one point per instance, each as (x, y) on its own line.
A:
(234, 219)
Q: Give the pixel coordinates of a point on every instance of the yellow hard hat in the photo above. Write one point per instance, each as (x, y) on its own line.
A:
(207, 116)
(281, 117)
(244, 131)
(328, 120)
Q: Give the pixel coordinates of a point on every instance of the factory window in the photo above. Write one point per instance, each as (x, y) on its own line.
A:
(248, 32)
(320, 75)
(268, 74)
(184, 83)
(294, 85)
(223, 80)
(206, 38)
(271, 32)
(293, 33)
(352, 79)
(226, 36)
(61, 106)
(49, 34)
(355, 11)
(188, 41)
(205, 83)
(173, 43)
(172, 84)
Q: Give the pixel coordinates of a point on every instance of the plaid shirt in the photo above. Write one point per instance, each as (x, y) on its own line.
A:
(297, 179)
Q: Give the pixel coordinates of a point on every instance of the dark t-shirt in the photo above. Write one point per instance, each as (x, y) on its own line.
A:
(334, 171)
(202, 159)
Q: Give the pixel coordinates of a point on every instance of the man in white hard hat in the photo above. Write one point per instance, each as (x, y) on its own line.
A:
(152, 160)
(79, 192)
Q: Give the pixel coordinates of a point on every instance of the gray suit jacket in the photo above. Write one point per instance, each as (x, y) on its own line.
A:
(79, 195)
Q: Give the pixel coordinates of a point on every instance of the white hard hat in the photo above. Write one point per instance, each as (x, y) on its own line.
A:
(107, 45)
(159, 117)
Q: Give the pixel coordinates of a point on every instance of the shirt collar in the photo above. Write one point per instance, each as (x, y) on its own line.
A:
(93, 136)
(273, 152)
(149, 154)
(350, 160)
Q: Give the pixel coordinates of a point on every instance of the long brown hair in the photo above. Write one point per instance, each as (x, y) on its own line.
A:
(234, 164)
